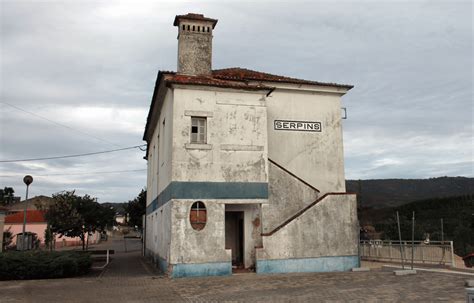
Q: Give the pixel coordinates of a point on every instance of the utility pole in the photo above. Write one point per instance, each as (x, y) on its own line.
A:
(27, 180)
(412, 239)
(400, 240)
(442, 230)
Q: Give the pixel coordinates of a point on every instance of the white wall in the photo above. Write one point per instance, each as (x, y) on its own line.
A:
(159, 151)
(316, 157)
(330, 228)
(158, 232)
(287, 196)
(236, 149)
(198, 246)
(208, 245)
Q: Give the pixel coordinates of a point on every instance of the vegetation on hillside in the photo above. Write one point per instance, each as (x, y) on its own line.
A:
(457, 214)
(383, 193)
(135, 209)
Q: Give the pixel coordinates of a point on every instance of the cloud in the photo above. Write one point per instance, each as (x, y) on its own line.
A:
(92, 66)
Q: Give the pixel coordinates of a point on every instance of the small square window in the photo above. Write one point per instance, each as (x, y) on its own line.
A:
(198, 130)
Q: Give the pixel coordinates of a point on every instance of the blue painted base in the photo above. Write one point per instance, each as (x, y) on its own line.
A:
(321, 264)
(201, 269)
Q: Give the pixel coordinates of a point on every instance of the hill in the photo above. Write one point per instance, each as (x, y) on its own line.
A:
(383, 193)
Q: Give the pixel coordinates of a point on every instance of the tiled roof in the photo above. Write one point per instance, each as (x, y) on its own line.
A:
(243, 74)
(192, 16)
(32, 216)
(235, 77)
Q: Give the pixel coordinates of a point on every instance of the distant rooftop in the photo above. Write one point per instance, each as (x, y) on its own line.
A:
(32, 216)
(34, 203)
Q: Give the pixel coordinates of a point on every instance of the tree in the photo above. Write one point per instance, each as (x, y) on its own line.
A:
(63, 217)
(136, 208)
(463, 240)
(49, 238)
(7, 196)
(75, 216)
(7, 238)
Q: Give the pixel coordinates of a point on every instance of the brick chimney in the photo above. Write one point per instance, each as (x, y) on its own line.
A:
(194, 44)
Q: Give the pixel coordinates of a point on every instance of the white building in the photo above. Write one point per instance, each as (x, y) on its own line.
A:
(245, 169)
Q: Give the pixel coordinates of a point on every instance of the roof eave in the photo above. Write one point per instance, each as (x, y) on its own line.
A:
(345, 86)
(158, 81)
(171, 83)
(194, 18)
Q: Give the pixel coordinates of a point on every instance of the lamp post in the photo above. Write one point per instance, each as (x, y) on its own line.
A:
(27, 180)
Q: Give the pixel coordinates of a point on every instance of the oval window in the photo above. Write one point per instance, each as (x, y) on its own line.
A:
(198, 215)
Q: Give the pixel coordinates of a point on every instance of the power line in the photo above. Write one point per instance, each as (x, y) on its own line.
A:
(77, 174)
(59, 124)
(73, 156)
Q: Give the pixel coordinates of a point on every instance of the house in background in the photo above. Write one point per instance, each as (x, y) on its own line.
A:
(121, 218)
(245, 168)
(37, 224)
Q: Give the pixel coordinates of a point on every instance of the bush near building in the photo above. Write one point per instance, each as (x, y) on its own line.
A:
(43, 265)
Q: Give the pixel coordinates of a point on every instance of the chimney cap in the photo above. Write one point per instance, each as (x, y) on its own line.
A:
(194, 17)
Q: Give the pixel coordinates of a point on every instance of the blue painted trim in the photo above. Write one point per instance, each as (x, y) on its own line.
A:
(201, 269)
(209, 190)
(321, 264)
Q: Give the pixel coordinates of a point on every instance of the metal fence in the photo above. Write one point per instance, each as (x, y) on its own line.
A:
(436, 252)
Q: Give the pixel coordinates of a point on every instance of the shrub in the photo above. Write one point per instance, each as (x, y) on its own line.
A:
(43, 265)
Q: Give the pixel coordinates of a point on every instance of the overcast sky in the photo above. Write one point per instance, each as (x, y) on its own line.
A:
(90, 68)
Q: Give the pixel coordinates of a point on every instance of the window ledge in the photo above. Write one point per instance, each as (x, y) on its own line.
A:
(198, 146)
(198, 113)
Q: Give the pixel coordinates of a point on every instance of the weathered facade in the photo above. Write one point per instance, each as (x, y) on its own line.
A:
(245, 169)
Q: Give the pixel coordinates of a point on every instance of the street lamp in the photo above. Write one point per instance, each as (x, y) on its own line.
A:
(27, 180)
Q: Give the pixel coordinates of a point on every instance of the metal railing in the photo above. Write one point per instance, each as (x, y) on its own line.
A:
(435, 252)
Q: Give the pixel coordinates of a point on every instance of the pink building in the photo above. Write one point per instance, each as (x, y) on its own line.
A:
(36, 223)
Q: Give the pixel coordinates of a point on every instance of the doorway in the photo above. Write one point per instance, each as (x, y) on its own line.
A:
(234, 237)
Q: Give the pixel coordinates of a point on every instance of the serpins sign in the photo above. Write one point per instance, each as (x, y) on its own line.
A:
(304, 126)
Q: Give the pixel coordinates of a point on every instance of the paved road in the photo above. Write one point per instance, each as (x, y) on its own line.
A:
(132, 279)
(127, 260)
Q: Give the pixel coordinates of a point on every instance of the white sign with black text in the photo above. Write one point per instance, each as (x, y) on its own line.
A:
(305, 126)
